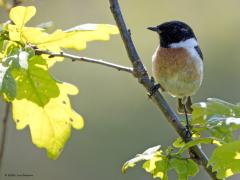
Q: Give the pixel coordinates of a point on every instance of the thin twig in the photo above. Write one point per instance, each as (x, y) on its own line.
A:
(86, 59)
(7, 104)
(142, 75)
(4, 131)
(16, 3)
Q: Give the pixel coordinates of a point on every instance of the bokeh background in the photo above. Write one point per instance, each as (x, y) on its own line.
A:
(120, 121)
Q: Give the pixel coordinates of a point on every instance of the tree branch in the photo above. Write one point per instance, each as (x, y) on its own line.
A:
(142, 75)
(4, 130)
(7, 104)
(16, 3)
(86, 59)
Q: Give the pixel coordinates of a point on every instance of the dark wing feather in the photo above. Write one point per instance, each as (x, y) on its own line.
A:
(197, 48)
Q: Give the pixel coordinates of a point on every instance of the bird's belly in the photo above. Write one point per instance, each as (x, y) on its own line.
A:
(179, 73)
(179, 88)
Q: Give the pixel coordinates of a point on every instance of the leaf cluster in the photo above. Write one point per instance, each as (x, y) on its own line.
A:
(217, 119)
(39, 100)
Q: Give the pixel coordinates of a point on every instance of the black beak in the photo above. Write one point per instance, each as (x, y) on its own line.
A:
(153, 29)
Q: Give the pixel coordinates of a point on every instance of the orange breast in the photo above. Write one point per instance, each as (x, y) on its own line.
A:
(178, 72)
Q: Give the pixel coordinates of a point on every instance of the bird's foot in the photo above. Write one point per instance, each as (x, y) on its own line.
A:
(153, 90)
(152, 80)
(188, 132)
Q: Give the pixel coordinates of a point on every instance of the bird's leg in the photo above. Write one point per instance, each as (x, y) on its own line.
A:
(188, 131)
(189, 105)
(152, 80)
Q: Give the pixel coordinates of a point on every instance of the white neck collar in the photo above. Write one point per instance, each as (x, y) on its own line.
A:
(189, 43)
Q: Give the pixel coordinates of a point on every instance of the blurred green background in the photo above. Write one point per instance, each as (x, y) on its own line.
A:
(120, 121)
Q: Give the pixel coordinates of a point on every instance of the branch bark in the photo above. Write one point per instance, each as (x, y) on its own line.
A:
(16, 3)
(141, 74)
(86, 59)
(4, 131)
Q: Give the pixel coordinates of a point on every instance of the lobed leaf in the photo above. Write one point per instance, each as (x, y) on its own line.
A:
(50, 126)
(21, 15)
(178, 143)
(218, 117)
(184, 168)
(34, 83)
(38, 100)
(158, 166)
(225, 159)
(194, 142)
(159, 163)
(146, 155)
(7, 84)
(73, 38)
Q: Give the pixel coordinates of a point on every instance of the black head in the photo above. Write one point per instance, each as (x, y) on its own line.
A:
(173, 32)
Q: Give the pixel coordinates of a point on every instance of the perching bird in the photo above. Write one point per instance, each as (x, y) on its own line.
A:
(177, 63)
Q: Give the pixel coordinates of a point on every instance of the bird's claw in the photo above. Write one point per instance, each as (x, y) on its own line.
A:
(152, 79)
(153, 90)
(188, 132)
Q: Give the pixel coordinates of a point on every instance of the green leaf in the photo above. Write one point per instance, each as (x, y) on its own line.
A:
(146, 155)
(50, 126)
(158, 166)
(184, 167)
(34, 82)
(7, 84)
(225, 159)
(220, 118)
(178, 143)
(159, 163)
(9, 61)
(194, 142)
(1, 42)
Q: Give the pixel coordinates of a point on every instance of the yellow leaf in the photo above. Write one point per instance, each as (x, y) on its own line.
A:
(75, 38)
(21, 15)
(50, 126)
(14, 34)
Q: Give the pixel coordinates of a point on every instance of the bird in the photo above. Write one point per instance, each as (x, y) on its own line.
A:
(177, 63)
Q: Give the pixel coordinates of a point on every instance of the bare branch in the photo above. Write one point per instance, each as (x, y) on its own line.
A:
(142, 75)
(16, 3)
(86, 59)
(4, 130)
(8, 7)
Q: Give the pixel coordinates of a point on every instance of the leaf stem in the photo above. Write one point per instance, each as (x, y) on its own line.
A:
(141, 74)
(86, 59)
